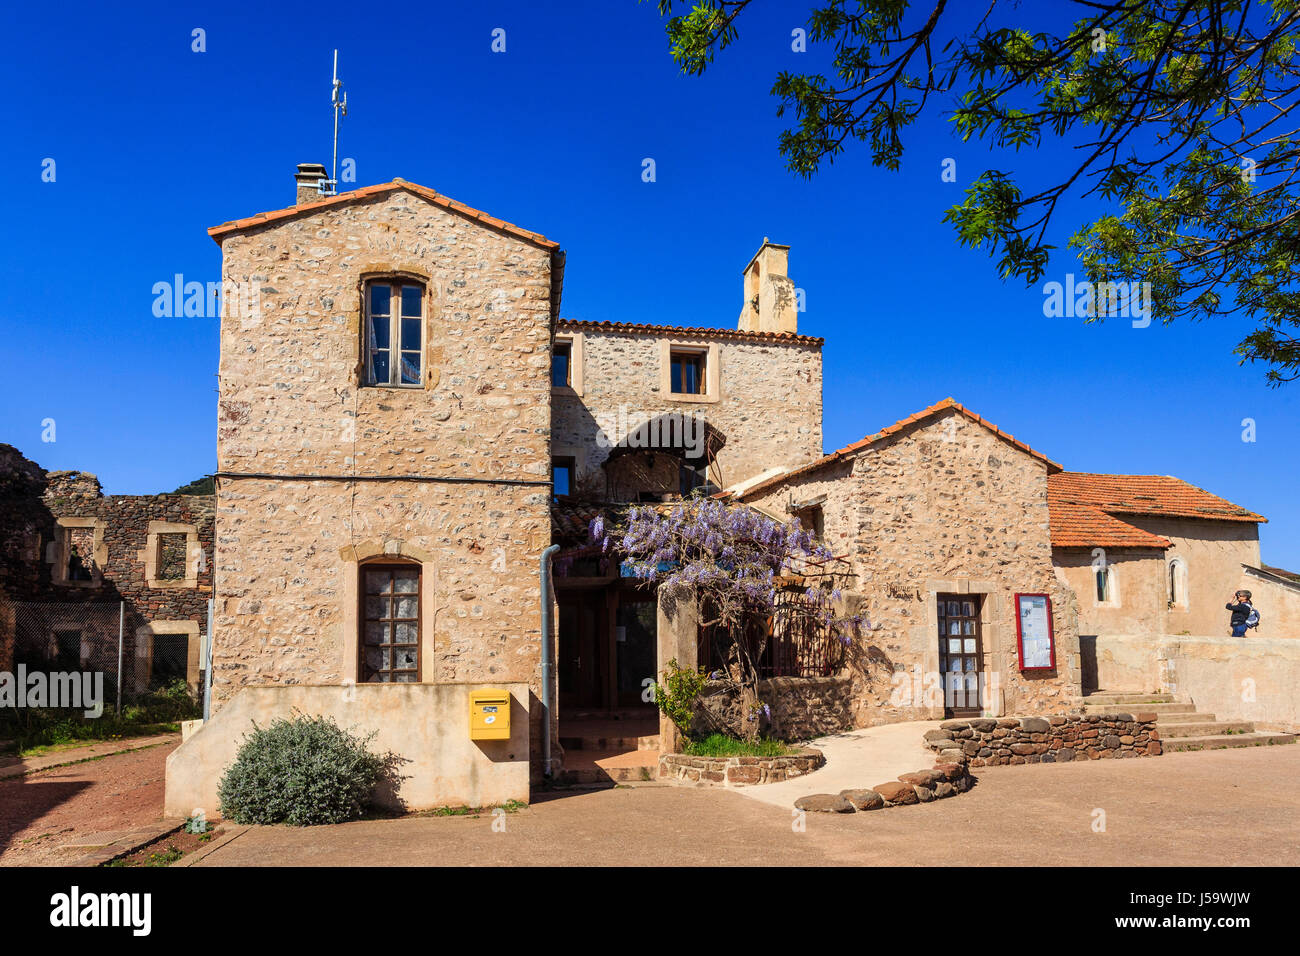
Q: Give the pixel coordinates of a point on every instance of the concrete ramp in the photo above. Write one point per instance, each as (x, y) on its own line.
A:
(855, 759)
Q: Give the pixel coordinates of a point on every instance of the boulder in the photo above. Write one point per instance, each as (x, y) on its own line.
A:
(825, 803)
(954, 725)
(943, 789)
(896, 792)
(1034, 725)
(863, 799)
(924, 794)
(921, 778)
(983, 724)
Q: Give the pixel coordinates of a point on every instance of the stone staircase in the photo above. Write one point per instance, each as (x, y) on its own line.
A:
(1180, 725)
(609, 750)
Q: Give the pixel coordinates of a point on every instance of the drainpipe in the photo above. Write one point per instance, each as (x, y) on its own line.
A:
(548, 664)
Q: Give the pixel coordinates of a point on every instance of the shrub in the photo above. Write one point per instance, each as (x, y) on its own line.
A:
(676, 696)
(720, 745)
(302, 771)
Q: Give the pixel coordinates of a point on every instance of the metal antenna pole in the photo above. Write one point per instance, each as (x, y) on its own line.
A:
(340, 105)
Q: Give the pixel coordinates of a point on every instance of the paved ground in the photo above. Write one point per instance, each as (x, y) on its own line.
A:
(855, 759)
(1228, 807)
(51, 816)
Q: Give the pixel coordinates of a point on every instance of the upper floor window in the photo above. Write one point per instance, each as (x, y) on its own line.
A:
(688, 367)
(1177, 583)
(1104, 584)
(394, 332)
(562, 364)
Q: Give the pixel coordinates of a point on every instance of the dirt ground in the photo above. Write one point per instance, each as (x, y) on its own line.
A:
(1226, 808)
(1221, 808)
(43, 811)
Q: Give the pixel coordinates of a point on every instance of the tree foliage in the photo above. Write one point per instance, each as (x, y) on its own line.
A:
(1182, 116)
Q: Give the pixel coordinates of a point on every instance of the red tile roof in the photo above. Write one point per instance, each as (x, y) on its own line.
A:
(926, 413)
(633, 328)
(1083, 506)
(220, 232)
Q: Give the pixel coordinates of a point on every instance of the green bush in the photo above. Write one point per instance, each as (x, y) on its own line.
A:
(676, 696)
(302, 771)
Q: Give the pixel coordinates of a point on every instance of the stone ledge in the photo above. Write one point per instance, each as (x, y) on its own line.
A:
(688, 770)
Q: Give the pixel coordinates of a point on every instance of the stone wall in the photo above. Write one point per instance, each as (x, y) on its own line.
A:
(118, 529)
(802, 708)
(769, 404)
(1054, 739)
(738, 771)
(941, 506)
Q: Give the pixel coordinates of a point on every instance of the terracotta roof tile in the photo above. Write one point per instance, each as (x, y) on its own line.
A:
(1083, 508)
(633, 328)
(935, 409)
(220, 232)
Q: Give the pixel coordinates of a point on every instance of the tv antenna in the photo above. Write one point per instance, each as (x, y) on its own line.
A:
(339, 100)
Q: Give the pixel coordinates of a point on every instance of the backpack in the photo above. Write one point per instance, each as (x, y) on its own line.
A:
(1252, 619)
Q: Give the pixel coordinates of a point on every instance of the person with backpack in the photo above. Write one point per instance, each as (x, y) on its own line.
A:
(1244, 615)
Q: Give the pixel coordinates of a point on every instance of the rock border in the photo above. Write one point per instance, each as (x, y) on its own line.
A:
(685, 769)
(948, 777)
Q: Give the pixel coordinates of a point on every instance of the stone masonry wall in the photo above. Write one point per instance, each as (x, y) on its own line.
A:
(944, 506)
(769, 407)
(454, 475)
(802, 708)
(1054, 739)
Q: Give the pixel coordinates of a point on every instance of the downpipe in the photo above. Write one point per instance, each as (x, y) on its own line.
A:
(548, 661)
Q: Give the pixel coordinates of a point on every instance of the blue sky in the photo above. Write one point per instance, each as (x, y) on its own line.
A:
(153, 143)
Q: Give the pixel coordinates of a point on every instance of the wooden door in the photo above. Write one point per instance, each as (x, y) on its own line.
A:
(961, 654)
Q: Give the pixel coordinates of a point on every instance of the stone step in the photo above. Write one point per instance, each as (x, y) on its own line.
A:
(1104, 697)
(595, 767)
(1222, 741)
(1159, 709)
(610, 744)
(1196, 717)
(1204, 728)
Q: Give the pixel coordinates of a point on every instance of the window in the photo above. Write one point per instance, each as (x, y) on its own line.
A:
(68, 650)
(1103, 585)
(562, 364)
(394, 332)
(171, 556)
(1177, 583)
(687, 372)
(80, 549)
(811, 519)
(562, 468)
(390, 624)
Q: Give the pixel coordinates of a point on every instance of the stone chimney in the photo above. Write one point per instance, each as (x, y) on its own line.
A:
(309, 178)
(769, 293)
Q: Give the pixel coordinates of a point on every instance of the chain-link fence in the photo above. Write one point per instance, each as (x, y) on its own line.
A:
(107, 638)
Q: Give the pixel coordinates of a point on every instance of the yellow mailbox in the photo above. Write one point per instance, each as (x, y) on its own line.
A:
(489, 715)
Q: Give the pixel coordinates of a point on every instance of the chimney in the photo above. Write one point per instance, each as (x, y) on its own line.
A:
(310, 177)
(769, 294)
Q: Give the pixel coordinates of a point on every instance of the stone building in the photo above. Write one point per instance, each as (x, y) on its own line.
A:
(71, 555)
(412, 443)
(943, 520)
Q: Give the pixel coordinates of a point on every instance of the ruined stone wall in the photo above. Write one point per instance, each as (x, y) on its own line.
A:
(944, 506)
(453, 475)
(769, 403)
(31, 503)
